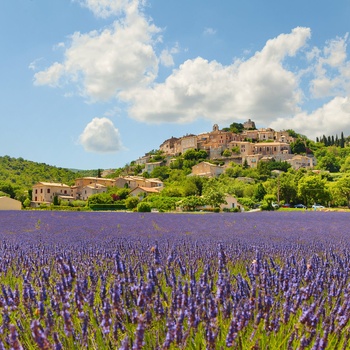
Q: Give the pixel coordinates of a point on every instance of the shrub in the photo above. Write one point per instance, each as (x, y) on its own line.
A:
(131, 202)
(143, 207)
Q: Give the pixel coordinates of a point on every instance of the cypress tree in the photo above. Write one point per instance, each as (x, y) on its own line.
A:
(342, 141)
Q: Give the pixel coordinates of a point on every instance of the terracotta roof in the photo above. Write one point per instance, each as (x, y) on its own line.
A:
(147, 189)
(55, 184)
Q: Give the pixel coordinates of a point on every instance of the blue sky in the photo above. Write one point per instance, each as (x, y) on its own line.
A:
(93, 84)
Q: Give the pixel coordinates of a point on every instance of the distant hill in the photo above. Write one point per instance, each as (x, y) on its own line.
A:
(24, 174)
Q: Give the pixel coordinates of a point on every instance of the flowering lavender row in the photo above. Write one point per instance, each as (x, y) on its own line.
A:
(174, 281)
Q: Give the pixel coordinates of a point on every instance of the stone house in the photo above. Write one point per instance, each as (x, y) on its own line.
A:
(89, 190)
(299, 161)
(138, 181)
(44, 192)
(231, 203)
(142, 192)
(207, 169)
(149, 167)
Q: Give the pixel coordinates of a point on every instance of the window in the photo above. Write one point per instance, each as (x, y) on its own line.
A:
(41, 190)
(48, 190)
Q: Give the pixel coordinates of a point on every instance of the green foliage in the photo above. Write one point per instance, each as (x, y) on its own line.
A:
(267, 202)
(162, 202)
(236, 128)
(79, 204)
(105, 206)
(298, 146)
(214, 194)
(198, 155)
(55, 200)
(26, 203)
(131, 202)
(100, 198)
(160, 172)
(226, 153)
(248, 203)
(24, 174)
(259, 192)
(118, 193)
(190, 203)
(312, 188)
(342, 189)
(143, 207)
(287, 187)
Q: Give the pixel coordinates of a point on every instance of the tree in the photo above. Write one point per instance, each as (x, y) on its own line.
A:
(55, 200)
(313, 189)
(342, 140)
(8, 188)
(226, 153)
(287, 187)
(160, 172)
(100, 198)
(345, 167)
(268, 201)
(192, 202)
(213, 194)
(259, 192)
(329, 162)
(342, 188)
(298, 146)
(26, 203)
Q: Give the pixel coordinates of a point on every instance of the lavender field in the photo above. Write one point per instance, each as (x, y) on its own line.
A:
(266, 280)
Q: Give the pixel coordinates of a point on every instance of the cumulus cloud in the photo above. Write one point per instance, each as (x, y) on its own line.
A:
(107, 8)
(332, 118)
(101, 136)
(104, 62)
(259, 87)
(331, 69)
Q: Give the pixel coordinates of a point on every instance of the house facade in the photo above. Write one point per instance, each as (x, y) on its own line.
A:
(231, 203)
(82, 182)
(141, 192)
(44, 192)
(299, 161)
(7, 203)
(207, 169)
(89, 190)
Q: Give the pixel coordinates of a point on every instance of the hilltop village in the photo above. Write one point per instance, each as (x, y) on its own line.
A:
(248, 147)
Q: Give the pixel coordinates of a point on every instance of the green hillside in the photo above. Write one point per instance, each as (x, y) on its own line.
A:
(19, 175)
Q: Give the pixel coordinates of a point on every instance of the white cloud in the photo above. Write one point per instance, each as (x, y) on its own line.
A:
(209, 31)
(102, 63)
(166, 56)
(331, 70)
(259, 87)
(51, 76)
(101, 136)
(330, 119)
(107, 8)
